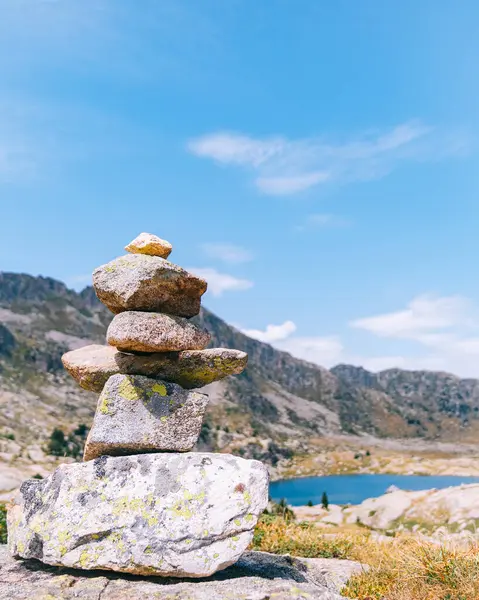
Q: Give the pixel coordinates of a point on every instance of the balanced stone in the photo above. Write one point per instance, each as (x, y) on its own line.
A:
(93, 365)
(135, 331)
(137, 414)
(150, 283)
(151, 514)
(147, 243)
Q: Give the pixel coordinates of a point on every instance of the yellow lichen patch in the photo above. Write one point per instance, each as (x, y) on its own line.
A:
(21, 547)
(103, 404)
(237, 522)
(159, 388)
(116, 539)
(163, 419)
(84, 559)
(249, 517)
(235, 538)
(128, 391)
(247, 497)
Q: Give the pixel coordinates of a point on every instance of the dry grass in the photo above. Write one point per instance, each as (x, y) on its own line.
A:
(403, 568)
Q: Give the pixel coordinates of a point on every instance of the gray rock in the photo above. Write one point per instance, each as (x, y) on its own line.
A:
(151, 283)
(147, 243)
(135, 331)
(178, 515)
(137, 414)
(256, 576)
(92, 366)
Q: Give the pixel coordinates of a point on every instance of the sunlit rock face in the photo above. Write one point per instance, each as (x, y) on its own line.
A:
(161, 514)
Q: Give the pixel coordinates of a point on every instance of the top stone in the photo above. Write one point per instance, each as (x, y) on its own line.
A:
(148, 283)
(147, 243)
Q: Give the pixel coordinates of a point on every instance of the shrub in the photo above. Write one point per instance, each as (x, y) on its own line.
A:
(325, 501)
(72, 445)
(3, 524)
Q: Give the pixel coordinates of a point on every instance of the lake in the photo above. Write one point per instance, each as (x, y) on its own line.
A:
(353, 489)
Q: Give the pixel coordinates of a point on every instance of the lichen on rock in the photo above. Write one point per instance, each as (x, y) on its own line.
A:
(138, 414)
(177, 515)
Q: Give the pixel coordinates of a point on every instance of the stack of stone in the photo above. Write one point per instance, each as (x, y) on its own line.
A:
(141, 502)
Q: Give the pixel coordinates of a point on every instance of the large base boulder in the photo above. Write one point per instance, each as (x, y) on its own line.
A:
(179, 515)
(256, 576)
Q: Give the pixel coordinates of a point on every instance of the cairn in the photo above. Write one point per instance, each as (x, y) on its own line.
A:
(141, 502)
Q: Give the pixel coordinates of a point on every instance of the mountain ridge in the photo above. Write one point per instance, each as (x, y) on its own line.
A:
(278, 405)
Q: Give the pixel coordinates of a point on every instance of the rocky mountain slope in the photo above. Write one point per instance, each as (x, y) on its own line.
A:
(276, 407)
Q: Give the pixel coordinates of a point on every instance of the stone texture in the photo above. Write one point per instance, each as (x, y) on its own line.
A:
(92, 366)
(147, 243)
(137, 414)
(179, 515)
(135, 331)
(150, 283)
(256, 576)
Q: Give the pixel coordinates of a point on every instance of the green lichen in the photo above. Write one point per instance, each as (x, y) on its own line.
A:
(237, 522)
(159, 388)
(103, 405)
(128, 391)
(84, 559)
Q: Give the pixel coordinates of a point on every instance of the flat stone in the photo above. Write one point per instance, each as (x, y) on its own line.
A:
(147, 243)
(137, 414)
(135, 331)
(178, 515)
(256, 576)
(92, 366)
(151, 283)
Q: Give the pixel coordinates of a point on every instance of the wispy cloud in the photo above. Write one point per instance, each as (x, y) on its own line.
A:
(424, 316)
(283, 186)
(272, 333)
(281, 166)
(228, 253)
(322, 221)
(322, 350)
(445, 327)
(219, 283)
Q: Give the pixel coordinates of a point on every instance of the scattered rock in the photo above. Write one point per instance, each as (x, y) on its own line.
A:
(256, 576)
(135, 331)
(147, 243)
(92, 366)
(140, 282)
(137, 414)
(179, 515)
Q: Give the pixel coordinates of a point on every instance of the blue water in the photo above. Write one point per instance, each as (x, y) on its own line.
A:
(353, 489)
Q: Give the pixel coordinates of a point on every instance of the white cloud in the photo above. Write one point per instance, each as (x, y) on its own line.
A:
(218, 283)
(235, 149)
(228, 253)
(282, 186)
(444, 328)
(283, 166)
(325, 351)
(272, 333)
(423, 316)
(321, 221)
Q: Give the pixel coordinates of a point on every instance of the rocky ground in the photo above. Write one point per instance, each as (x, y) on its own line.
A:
(448, 514)
(256, 576)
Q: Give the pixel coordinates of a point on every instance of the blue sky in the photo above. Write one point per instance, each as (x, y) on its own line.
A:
(316, 161)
